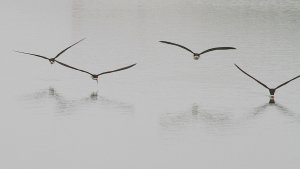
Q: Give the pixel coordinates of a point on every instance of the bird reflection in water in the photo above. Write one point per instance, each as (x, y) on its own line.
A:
(66, 106)
(94, 95)
(52, 92)
(209, 120)
(280, 108)
(211, 117)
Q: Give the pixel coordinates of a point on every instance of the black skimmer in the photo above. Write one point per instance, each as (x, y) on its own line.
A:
(271, 90)
(197, 55)
(51, 60)
(95, 76)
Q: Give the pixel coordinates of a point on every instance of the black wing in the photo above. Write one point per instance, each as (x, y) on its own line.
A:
(33, 54)
(177, 45)
(123, 68)
(252, 77)
(217, 48)
(287, 82)
(73, 67)
(67, 49)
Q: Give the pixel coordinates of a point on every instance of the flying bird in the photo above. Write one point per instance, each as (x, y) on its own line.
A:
(271, 90)
(197, 55)
(51, 60)
(95, 76)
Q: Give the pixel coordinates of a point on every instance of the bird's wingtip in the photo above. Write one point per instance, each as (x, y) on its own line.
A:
(82, 39)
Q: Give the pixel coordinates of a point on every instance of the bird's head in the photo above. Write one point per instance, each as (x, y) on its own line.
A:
(95, 77)
(52, 60)
(272, 98)
(272, 92)
(196, 56)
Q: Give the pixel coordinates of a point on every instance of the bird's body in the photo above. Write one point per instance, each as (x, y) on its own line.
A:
(95, 76)
(197, 55)
(271, 90)
(53, 59)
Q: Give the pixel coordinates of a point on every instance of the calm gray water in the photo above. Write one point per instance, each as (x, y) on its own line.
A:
(169, 111)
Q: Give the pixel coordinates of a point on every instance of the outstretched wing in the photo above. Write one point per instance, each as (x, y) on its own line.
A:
(33, 54)
(217, 48)
(252, 77)
(287, 82)
(123, 68)
(67, 49)
(72, 67)
(170, 43)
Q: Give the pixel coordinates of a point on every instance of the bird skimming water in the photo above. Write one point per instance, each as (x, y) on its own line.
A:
(51, 60)
(197, 55)
(271, 90)
(95, 76)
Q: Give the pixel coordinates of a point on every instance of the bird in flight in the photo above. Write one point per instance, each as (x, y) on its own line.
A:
(51, 60)
(95, 76)
(271, 90)
(197, 55)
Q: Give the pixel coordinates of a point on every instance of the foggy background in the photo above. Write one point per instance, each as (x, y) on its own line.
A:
(167, 112)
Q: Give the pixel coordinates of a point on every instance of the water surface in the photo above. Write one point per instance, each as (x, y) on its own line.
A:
(167, 112)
